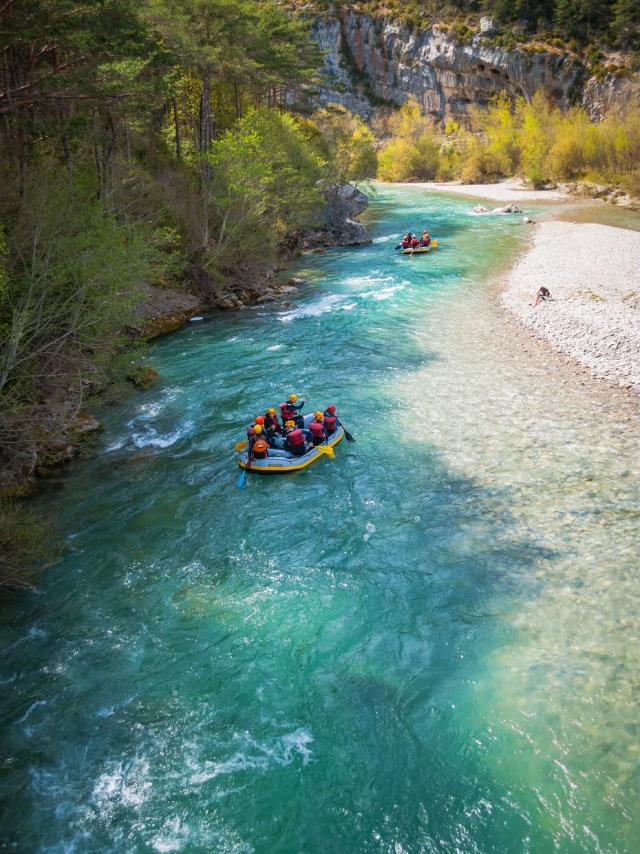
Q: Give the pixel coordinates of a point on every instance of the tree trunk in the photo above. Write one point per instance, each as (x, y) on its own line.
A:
(177, 131)
(206, 115)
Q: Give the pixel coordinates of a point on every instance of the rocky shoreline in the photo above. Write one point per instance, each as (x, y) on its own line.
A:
(166, 309)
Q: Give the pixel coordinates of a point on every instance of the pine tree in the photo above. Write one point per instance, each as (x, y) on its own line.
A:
(625, 24)
(564, 16)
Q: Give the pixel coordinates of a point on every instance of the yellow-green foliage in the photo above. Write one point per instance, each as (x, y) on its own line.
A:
(530, 138)
(414, 151)
(345, 142)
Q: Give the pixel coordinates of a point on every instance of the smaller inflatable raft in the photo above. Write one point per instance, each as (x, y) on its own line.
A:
(281, 462)
(421, 250)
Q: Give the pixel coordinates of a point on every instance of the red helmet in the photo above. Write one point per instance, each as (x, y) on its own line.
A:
(260, 419)
(331, 409)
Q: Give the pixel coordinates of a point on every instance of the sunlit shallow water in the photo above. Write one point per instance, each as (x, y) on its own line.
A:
(427, 644)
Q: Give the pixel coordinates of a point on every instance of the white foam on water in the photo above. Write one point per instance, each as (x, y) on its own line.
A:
(151, 438)
(296, 743)
(173, 837)
(256, 755)
(115, 446)
(383, 293)
(275, 347)
(386, 238)
(122, 785)
(326, 305)
(29, 730)
(150, 409)
(370, 529)
(375, 278)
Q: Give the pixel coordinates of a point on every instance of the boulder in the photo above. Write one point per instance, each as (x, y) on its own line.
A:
(338, 225)
(164, 310)
(143, 376)
(84, 423)
(507, 209)
(480, 209)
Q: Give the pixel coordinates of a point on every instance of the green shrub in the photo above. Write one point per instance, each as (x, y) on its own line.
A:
(26, 545)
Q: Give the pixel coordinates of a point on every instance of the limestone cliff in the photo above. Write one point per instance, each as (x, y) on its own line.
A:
(378, 59)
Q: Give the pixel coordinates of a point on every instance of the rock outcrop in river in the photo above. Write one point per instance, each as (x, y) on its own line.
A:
(339, 224)
(377, 59)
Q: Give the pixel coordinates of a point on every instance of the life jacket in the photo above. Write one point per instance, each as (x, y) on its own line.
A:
(295, 438)
(260, 448)
(271, 422)
(425, 241)
(317, 430)
(406, 243)
(330, 424)
(250, 432)
(288, 412)
(415, 242)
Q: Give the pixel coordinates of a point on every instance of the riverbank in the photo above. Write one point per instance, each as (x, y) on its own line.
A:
(592, 272)
(510, 190)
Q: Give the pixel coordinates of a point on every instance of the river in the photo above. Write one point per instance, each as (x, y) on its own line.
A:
(428, 644)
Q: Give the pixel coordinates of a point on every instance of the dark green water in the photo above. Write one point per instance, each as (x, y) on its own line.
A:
(428, 644)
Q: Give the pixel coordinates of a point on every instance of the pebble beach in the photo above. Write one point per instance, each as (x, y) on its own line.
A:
(593, 274)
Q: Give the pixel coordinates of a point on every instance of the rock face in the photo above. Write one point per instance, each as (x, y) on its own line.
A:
(600, 95)
(369, 59)
(338, 224)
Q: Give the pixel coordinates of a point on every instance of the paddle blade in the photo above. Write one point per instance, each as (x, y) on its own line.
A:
(240, 446)
(348, 436)
(435, 244)
(242, 479)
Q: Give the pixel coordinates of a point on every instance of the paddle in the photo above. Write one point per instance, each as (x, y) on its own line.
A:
(240, 446)
(347, 435)
(243, 474)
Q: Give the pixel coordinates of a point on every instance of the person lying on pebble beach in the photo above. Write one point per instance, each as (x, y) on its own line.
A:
(542, 295)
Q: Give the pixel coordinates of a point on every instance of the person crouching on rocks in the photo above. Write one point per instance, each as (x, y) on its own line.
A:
(542, 295)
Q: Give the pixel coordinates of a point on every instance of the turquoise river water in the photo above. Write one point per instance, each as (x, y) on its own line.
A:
(428, 644)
